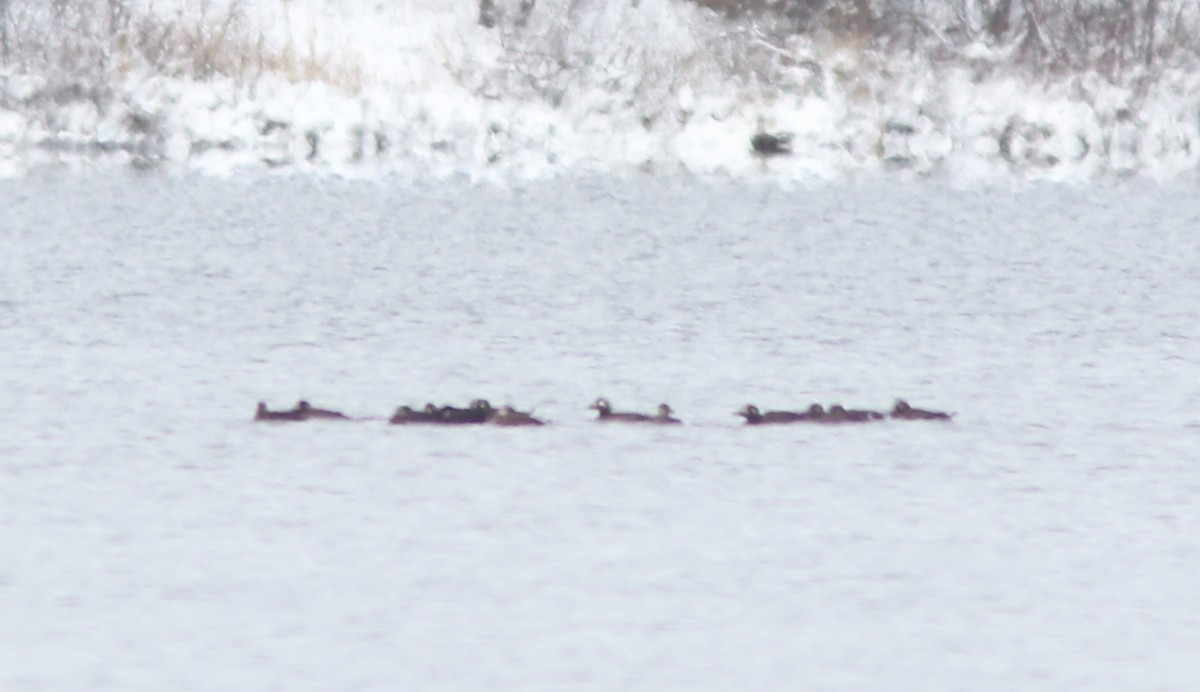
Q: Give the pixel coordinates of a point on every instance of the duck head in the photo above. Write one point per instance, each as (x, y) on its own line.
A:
(602, 406)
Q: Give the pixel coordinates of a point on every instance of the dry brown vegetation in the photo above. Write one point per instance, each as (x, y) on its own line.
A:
(93, 42)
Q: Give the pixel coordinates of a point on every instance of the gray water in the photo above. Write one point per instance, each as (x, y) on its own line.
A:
(156, 538)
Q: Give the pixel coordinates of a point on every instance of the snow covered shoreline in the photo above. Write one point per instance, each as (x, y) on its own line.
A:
(430, 93)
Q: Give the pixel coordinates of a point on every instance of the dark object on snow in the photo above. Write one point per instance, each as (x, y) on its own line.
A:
(523, 13)
(490, 15)
(767, 144)
(487, 14)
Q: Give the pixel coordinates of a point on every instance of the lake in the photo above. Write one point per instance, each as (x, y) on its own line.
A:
(156, 538)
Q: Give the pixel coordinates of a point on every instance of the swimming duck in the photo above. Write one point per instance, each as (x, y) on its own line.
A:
(605, 413)
(663, 417)
(866, 414)
(262, 413)
(306, 410)
(754, 417)
(479, 411)
(405, 415)
(840, 414)
(903, 411)
(509, 416)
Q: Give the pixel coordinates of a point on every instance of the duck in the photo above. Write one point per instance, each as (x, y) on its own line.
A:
(262, 413)
(508, 416)
(406, 414)
(663, 416)
(866, 414)
(478, 411)
(815, 413)
(605, 413)
(766, 144)
(905, 412)
(754, 417)
(840, 414)
(307, 410)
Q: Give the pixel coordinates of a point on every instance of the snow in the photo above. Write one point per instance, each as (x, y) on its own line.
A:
(419, 89)
(156, 538)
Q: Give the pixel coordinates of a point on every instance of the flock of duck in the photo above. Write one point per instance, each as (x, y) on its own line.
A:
(480, 412)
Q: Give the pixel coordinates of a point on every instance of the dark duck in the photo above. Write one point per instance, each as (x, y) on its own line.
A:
(407, 415)
(262, 413)
(479, 411)
(308, 411)
(755, 417)
(903, 411)
(605, 413)
(766, 144)
(510, 417)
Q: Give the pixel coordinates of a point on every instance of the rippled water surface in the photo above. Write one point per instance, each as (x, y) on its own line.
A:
(155, 538)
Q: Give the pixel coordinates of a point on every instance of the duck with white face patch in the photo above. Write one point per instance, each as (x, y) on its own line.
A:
(606, 414)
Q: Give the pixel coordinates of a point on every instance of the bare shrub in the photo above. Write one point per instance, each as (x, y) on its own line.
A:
(77, 41)
(851, 16)
(569, 47)
(566, 44)
(490, 15)
(1117, 38)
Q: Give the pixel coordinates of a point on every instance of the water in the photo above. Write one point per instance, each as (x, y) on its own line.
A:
(156, 538)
